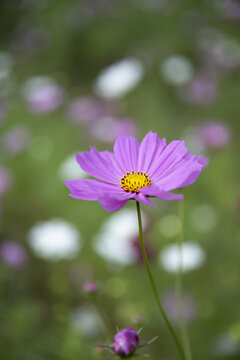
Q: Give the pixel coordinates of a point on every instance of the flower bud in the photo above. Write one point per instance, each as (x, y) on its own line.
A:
(125, 342)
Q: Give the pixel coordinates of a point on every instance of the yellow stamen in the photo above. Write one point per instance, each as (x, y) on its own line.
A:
(133, 181)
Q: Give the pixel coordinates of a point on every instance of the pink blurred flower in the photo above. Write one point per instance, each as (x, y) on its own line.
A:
(16, 139)
(86, 110)
(108, 129)
(201, 91)
(90, 287)
(29, 39)
(230, 10)
(13, 254)
(5, 180)
(43, 94)
(170, 304)
(219, 52)
(214, 135)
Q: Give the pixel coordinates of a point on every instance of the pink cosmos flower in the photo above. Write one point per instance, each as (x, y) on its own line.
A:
(135, 171)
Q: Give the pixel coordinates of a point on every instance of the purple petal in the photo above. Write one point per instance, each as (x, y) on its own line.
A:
(204, 161)
(150, 150)
(155, 191)
(98, 165)
(171, 155)
(110, 203)
(110, 157)
(88, 189)
(111, 197)
(140, 197)
(126, 150)
(184, 173)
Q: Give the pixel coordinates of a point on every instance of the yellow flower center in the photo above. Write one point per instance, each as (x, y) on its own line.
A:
(133, 181)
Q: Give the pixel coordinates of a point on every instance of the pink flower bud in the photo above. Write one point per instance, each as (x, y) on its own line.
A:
(125, 342)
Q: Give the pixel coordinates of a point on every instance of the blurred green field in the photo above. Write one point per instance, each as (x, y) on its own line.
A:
(45, 313)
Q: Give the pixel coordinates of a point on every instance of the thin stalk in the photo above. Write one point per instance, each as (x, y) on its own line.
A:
(183, 326)
(153, 286)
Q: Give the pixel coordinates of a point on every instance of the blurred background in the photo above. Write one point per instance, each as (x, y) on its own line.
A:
(81, 73)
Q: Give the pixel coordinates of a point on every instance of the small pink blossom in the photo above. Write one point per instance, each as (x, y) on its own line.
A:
(16, 139)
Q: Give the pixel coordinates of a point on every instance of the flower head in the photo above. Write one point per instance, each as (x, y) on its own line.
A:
(135, 171)
(125, 342)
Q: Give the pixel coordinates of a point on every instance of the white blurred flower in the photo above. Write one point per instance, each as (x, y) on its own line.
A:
(119, 78)
(86, 320)
(169, 225)
(177, 70)
(204, 218)
(55, 240)
(225, 345)
(192, 257)
(113, 242)
(70, 169)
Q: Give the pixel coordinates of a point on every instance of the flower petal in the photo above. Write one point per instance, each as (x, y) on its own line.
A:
(204, 161)
(110, 157)
(140, 197)
(149, 152)
(183, 174)
(126, 150)
(111, 197)
(110, 203)
(155, 191)
(98, 165)
(88, 189)
(171, 155)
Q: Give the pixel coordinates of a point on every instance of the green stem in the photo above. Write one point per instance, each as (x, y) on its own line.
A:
(183, 326)
(154, 289)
